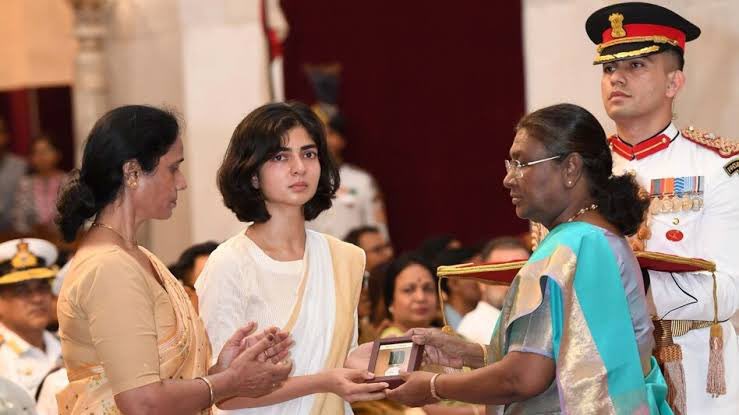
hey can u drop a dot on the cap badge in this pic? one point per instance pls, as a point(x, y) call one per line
point(617, 25)
point(24, 258)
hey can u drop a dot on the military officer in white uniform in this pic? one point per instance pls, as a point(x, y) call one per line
point(27, 351)
point(693, 180)
point(358, 201)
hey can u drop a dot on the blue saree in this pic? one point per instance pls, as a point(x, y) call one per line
point(568, 303)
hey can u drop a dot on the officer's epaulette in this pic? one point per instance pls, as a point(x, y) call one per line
point(724, 147)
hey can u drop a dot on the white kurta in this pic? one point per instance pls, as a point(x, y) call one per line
point(240, 283)
point(710, 234)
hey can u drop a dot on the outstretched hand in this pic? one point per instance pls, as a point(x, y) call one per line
point(350, 385)
point(415, 391)
point(439, 348)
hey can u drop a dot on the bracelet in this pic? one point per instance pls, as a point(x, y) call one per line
point(484, 354)
point(210, 390)
point(432, 386)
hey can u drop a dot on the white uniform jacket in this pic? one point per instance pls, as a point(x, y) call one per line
point(706, 228)
point(27, 365)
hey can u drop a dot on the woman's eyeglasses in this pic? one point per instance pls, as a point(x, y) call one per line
point(514, 167)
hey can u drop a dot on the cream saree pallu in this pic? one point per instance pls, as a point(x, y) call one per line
point(183, 355)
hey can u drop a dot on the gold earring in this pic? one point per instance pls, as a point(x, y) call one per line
point(131, 180)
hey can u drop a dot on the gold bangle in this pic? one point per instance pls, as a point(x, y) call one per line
point(432, 386)
point(484, 354)
point(210, 390)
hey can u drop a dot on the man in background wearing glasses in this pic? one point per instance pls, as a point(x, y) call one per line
point(27, 351)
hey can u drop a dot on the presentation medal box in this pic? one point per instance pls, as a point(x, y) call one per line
point(394, 355)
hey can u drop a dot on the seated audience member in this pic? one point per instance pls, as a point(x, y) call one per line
point(275, 176)
point(12, 168)
point(410, 294)
point(27, 351)
point(377, 250)
point(462, 296)
point(433, 246)
point(376, 321)
point(34, 208)
point(478, 324)
point(190, 264)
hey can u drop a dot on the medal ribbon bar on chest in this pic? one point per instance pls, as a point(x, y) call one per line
point(675, 194)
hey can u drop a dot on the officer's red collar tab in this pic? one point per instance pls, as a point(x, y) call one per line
point(644, 149)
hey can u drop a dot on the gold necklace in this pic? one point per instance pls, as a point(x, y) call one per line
point(110, 228)
point(583, 210)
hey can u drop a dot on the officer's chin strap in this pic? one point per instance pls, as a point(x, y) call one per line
point(716, 382)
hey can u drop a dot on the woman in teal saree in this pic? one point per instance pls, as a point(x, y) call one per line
point(574, 335)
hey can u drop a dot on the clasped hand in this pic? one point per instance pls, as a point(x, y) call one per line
point(257, 362)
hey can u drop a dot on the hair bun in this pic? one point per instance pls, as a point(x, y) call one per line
point(75, 205)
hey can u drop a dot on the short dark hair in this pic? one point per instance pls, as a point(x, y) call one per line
point(434, 245)
point(677, 54)
point(186, 261)
point(256, 139)
point(452, 256)
point(565, 129)
point(337, 124)
point(503, 242)
point(131, 132)
point(355, 234)
point(397, 266)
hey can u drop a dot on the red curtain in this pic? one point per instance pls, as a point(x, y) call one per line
point(16, 112)
point(30, 112)
point(431, 92)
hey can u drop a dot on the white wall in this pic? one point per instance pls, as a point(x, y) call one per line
point(558, 57)
point(144, 53)
point(37, 46)
point(224, 78)
point(205, 59)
